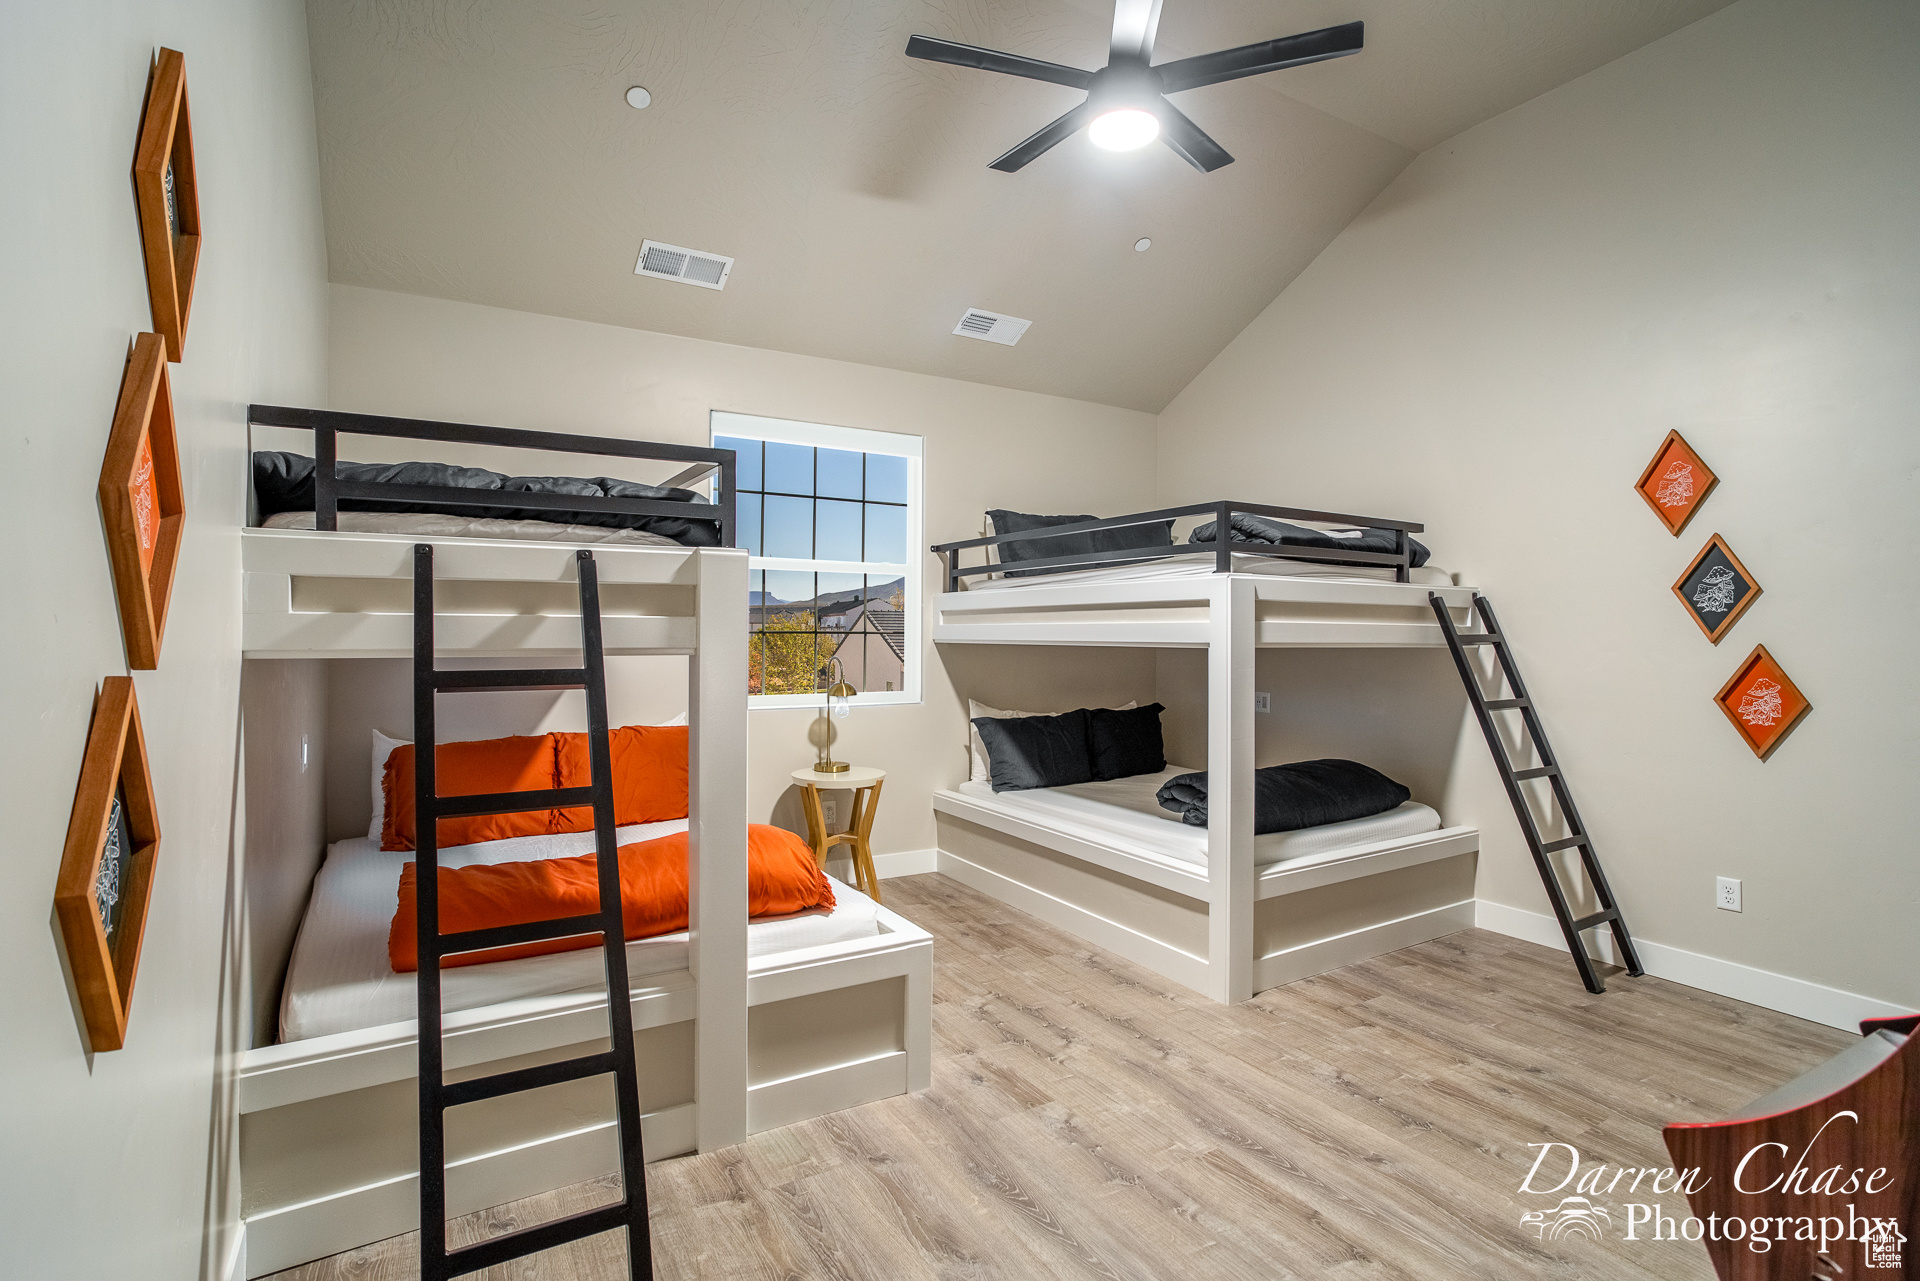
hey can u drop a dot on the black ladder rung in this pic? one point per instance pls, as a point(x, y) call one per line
point(1598, 918)
point(550, 798)
point(560, 927)
point(543, 1236)
point(1564, 843)
point(1543, 771)
point(1478, 638)
point(455, 1093)
point(1507, 704)
point(517, 678)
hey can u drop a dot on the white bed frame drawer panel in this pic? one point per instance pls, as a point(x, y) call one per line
point(1175, 920)
point(314, 595)
point(311, 1150)
point(807, 1034)
point(344, 555)
point(277, 1075)
point(1335, 866)
point(471, 635)
point(1160, 870)
point(1294, 919)
point(285, 1238)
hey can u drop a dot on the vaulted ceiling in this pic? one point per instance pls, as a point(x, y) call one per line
point(482, 150)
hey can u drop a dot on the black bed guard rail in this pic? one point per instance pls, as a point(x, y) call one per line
point(329, 425)
point(1224, 548)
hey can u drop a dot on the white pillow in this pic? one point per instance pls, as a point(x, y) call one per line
point(383, 748)
point(977, 750)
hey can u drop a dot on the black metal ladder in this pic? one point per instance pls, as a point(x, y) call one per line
point(437, 1095)
point(1549, 769)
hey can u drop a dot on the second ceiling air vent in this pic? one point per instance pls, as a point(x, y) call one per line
point(688, 266)
point(991, 326)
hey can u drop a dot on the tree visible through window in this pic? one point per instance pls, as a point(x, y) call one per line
point(832, 574)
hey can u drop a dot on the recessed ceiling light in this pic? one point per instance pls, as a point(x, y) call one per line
point(1143, 244)
point(638, 98)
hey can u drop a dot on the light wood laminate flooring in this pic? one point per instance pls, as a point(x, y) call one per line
point(1089, 1119)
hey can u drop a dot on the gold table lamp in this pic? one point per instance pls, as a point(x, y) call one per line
point(842, 691)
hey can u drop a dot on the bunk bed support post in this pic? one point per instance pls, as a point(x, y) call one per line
point(326, 468)
point(1230, 656)
point(1223, 538)
point(717, 847)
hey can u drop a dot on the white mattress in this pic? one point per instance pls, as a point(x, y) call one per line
point(339, 978)
point(1122, 813)
point(430, 525)
point(1201, 563)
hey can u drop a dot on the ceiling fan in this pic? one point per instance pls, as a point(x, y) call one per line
point(1126, 106)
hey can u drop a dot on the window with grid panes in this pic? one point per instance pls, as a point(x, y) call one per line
point(830, 518)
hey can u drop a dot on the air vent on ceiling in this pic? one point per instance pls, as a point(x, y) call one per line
point(990, 326)
point(688, 266)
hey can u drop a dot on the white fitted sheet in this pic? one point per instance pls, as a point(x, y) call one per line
point(1202, 563)
point(438, 525)
point(1123, 813)
point(339, 978)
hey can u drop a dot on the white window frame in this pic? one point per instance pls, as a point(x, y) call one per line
point(863, 440)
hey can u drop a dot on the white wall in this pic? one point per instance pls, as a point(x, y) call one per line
point(985, 447)
point(1715, 234)
point(107, 1168)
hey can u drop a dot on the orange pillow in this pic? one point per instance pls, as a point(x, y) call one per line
point(781, 878)
point(469, 769)
point(649, 775)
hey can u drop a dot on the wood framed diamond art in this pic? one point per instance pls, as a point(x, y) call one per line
point(1716, 589)
point(1762, 703)
point(141, 500)
point(168, 197)
point(106, 870)
point(1675, 483)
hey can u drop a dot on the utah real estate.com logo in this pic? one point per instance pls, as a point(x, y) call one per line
point(1578, 1215)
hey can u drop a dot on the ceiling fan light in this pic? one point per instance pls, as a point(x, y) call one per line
point(1126, 129)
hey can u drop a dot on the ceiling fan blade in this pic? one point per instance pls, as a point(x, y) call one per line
point(1134, 24)
point(1008, 64)
point(1269, 55)
point(1189, 141)
point(1054, 134)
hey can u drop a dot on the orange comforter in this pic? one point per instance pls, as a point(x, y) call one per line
point(781, 878)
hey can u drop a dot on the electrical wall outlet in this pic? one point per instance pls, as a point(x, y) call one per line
point(1726, 894)
point(830, 810)
point(1262, 701)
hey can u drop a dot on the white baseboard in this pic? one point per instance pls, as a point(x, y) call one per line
point(1305, 960)
point(898, 863)
point(1798, 997)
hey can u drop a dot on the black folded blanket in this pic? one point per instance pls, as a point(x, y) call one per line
point(1289, 797)
point(1277, 533)
point(283, 482)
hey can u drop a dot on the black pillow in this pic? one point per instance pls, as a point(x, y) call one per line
point(1036, 751)
point(1123, 743)
point(1279, 533)
point(1156, 534)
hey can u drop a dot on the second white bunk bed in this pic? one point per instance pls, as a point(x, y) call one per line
point(740, 1027)
point(1219, 910)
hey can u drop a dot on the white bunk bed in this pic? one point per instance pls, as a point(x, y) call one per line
point(1217, 909)
point(740, 1027)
